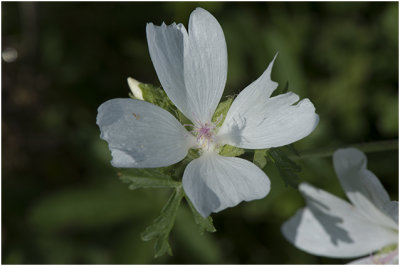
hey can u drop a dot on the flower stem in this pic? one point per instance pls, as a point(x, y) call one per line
point(377, 146)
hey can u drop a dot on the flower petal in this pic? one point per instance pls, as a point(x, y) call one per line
point(362, 187)
point(140, 134)
point(206, 64)
point(214, 183)
point(166, 46)
point(192, 68)
point(331, 227)
point(256, 121)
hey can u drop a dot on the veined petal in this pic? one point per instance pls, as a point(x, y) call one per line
point(214, 183)
point(206, 64)
point(166, 47)
point(256, 121)
point(362, 187)
point(192, 67)
point(142, 135)
point(331, 227)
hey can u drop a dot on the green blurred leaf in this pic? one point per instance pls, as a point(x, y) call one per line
point(163, 224)
point(231, 151)
point(260, 158)
point(85, 208)
point(201, 248)
point(205, 224)
point(288, 169)
point(146, 178)
point(281, 90)
point(293, 149)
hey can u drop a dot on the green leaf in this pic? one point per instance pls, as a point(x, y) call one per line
point(162, 225)
point(222, 109)
point(230, 151)
point(146, 178)
point(260, 158)
point(287, 168)
point(205, 224)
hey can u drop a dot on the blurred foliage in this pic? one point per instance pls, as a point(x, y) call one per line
point(62, 201)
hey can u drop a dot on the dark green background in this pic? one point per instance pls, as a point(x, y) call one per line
point(61, 199)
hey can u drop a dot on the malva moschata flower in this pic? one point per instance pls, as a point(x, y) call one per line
point(332, 227)
point(192, 69)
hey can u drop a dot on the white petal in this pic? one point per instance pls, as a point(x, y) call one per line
point(331, 227)
point(214, 183)
point(391, 258)
point(140, 134)
point(206, 64)
point(256, 121)
point(362, 187)
point(192, 68)
point(166, 46)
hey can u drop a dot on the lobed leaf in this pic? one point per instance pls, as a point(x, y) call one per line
point(287, 168)
point(162, 225)
point(147, 178)
point(205, 224)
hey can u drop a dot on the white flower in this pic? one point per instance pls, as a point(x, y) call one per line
point(192, 68)
point(332, 227)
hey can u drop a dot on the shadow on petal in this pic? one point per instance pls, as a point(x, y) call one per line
point(330, 223)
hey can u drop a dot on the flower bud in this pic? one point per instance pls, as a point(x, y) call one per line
point(135, 89)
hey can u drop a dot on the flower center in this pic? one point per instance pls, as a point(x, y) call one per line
point(205, 135)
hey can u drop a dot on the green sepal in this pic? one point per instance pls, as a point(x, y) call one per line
point(205, 224)
point(222, 109)
point(146, 178)
point(287, 168)
point(162, 225)
point(260, 158)
point(230, 151)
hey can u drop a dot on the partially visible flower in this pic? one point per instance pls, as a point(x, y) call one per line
point(192, 68)
point(332, 227)
point(134, 86)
